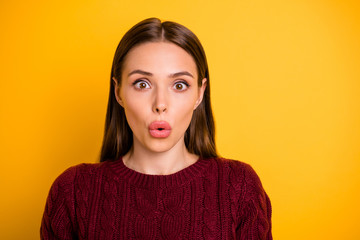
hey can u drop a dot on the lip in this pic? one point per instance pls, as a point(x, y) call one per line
point(159, 129)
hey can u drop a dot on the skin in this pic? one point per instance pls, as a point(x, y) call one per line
point(159, 83)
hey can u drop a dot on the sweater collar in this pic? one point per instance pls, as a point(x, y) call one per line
point(179, 178)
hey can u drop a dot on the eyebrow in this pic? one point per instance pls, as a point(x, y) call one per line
point(140, 72)
point(182, 73)
point(172, 75)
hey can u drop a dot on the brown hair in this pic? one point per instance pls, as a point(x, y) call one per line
point(200, 135)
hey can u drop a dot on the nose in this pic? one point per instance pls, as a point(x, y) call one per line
point(160, 102)
point(160, 108)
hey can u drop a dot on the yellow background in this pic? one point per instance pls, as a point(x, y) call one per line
point(285, 90)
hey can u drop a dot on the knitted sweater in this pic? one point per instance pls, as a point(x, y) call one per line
point(211, 199)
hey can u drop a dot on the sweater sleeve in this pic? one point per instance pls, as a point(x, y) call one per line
point(58, 217)
point(255, 209)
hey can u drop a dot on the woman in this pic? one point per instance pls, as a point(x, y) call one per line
point(159, 175)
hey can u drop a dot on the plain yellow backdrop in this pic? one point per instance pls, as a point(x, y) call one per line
point(285, 79)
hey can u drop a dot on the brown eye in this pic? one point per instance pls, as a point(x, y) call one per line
point(180, 86)
point(141, 85)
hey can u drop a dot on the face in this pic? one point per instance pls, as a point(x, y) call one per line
point(159, 92)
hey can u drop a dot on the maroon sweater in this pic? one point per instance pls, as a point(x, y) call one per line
point(211, 199)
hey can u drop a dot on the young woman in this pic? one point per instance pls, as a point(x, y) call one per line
point(159, 175)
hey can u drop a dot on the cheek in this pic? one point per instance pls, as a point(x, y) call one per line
point(134, 112)
point(184, 111)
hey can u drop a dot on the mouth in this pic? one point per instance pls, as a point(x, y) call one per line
point(159, 129)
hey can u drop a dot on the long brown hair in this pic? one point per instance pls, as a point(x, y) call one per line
point(200, 135)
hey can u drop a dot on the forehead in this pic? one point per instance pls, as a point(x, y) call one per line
point(159, 58)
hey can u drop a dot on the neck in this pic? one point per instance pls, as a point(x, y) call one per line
point(159, 163)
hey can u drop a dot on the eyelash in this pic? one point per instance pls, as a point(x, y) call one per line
point(184, 83)
point(136, 82)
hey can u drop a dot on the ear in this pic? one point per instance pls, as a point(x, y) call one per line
point(117, 91)
point(201, 93)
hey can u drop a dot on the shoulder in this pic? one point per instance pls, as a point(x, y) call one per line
point(250, 204)
point(78, 173)
point(236, 167)
point(239, 173)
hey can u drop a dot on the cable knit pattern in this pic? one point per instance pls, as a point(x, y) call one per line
point(211, 199)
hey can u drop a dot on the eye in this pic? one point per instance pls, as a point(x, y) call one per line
point(181, 86)
point(141, 84)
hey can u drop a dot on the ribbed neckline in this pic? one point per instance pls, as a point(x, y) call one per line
point(181, 177)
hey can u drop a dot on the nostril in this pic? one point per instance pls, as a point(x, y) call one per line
point(159, 108)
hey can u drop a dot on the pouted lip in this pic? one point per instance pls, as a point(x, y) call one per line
point(159, 129)
point(159, 125)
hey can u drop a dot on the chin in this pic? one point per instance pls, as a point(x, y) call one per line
point(160, 146)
